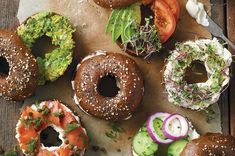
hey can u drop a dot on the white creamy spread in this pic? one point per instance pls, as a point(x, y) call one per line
point(197, 11)
point(221, 52)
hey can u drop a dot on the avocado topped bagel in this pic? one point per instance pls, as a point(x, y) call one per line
point(139, 34)
point(60, 30)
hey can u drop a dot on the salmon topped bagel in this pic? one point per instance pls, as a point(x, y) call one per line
point(38, 117)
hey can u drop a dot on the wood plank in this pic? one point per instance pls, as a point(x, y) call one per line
point(219, 16)
point(8, 110)
point(231, 36)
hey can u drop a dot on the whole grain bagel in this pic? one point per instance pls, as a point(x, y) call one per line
point(21, 80)
point(129, 80)
point(210, 144)
point(114, 3)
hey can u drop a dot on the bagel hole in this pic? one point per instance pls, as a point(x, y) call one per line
point(196, 73)
point(50, 137)
point(107, 86)
point(42, 46)
point(4, 67)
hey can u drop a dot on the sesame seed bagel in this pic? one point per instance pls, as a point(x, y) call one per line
point(36, 118)
point(21, 80)
point(128, 79)
point(114, 3)
point(210, 144)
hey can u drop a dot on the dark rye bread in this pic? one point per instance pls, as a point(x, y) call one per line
point(114, 3)
point(129, 80)
point(22, 78)
point(211, 144)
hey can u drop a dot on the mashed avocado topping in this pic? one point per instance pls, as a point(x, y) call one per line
point(59, 29)
point(198, 95)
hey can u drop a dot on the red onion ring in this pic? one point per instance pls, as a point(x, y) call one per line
point(171, 133)
point(151, 131)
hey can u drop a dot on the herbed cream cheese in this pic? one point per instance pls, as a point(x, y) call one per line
point(216, 59)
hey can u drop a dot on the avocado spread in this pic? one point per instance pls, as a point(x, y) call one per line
point(59, 29)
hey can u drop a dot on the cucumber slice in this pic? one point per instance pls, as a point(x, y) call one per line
point(143, 145)
point(112, 18)
point(176, 148)
point(157, 124)
point(117, 28)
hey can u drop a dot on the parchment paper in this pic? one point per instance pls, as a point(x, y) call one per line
point(90, 20)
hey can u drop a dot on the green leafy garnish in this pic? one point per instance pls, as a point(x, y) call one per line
point(111, 134)
point(45, 110)
point(114, 131)
point(144, 40)
point(116, 127)
point(31, 145)
point(31, 121)
point(37, 103)
point(71, 127)
point(58, 114)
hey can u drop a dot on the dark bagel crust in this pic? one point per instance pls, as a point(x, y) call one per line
point(22, 78)
point(129, 80)
point(211, 144)
point(114, 3)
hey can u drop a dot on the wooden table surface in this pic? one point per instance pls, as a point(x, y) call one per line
point(223, 13)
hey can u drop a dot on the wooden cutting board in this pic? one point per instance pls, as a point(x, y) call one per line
point(90, 21)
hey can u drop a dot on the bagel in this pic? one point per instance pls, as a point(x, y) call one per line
point(36, 118)
point(59, 29)
point(21, 80)
point(114, 3)
point(129, 80)
point(197, 96)
point(210, 144)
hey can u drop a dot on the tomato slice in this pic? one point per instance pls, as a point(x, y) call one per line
point(174, 6)
point(163, 19)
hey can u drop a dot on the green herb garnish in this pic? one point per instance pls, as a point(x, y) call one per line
point(116, 127)
point(45, 111)
point(31, 145)
point(111, 134)
point(58, 114)
point(31, 121)
point(37, 103)
point(71, 127)
point(114, 131)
